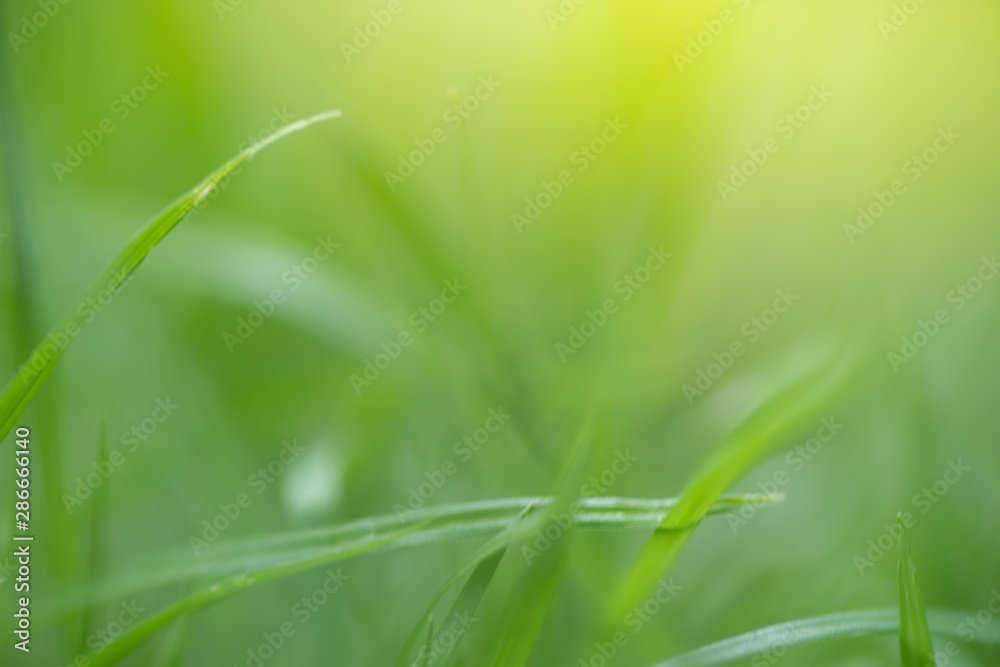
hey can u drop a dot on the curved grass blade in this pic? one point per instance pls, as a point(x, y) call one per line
point(915, 645)
point(833, 627)
point(427, 643)
point(132, 639)
point(422, 528)
point(470, 597)
point(499, 520)
point(464, 608)
point(36, 368)
point(771, 424)
point(488, 557)
point(531, 519)
point(497, 544)
point(528, 605)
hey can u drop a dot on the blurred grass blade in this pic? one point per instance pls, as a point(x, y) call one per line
point(777, 419)
point(131, 640)
point(793, 633)
point(773, 641)
point(497, 544)
point(465, 607)
point(97, 539)
point(488, 557)
point(171, 650)
point(528, 605)
point(471, 597)
point(427, 644)
point(422, 528)
point(30, 376)
point(914, 636)
point(501, 521)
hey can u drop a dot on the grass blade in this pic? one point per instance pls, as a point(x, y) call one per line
point(773, 422)
point(30, 376)
point(833, 627)
point(523, 526)
point(502, 521)
point(190, 604)
point(496, 545)
point(465, 606)
point(171, 651)
point(914, 636)
point(528, 605)
point(291, 554)
point(422, 661)
point(97, 538)
point(471, 596)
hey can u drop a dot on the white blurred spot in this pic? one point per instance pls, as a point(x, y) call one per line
point(313, 483)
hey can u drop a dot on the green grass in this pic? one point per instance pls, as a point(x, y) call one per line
point(533, 531)
point(831, 628)
point(259, 561)
point(914, 636)
point(775, 421)
point(43, 359)
point(910, 623)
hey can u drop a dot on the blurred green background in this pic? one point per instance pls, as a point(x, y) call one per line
point(686, 116)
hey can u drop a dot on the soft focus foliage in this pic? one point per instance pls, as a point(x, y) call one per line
point(563, 249)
